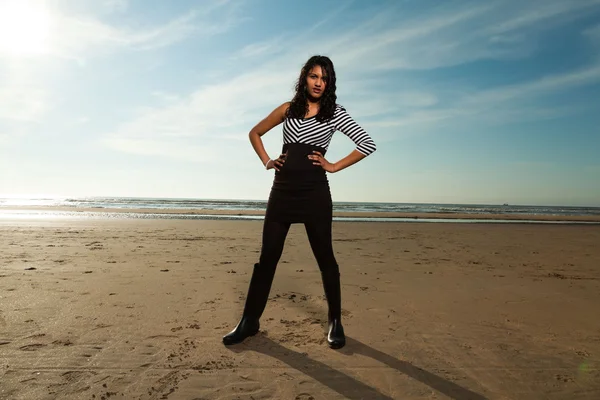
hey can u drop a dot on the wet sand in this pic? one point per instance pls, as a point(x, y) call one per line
point(383, 214)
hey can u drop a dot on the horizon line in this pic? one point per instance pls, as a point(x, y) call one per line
point(55, 197)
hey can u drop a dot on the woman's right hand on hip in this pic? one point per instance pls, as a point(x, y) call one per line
point(277, 163)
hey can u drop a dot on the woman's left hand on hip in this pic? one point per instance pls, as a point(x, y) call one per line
point(318, 159)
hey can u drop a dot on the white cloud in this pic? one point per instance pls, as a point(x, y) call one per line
point(594, 31)
point(442, 37)
point(25, 86)
point(375, 47)
point(593, 34)
point(23, 98)
point(545, 84)
point(96, 7)
point(448, 35)
point(503, 104)
point(80, 121)
point(259, 49)
point(116, 5)
point(365, 103)
point(541, 14)
point(166, 97)
point(22, 103)
point(217, 112)
point(80, 35)
point(165, 147)
point(279, 44)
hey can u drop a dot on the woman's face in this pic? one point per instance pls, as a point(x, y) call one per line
point(316, 81)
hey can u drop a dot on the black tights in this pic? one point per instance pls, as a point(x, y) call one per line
point(274, 234)
point(319, 236)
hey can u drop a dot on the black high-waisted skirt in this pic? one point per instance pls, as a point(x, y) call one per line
point(300, 191)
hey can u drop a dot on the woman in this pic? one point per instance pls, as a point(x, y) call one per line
point(300, 191)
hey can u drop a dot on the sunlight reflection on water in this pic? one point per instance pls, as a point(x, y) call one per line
point(65, 215)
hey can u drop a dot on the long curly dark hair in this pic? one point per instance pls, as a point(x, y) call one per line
point(299, 105)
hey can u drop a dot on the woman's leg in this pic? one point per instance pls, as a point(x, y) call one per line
point(320, 238)
point(273, 240)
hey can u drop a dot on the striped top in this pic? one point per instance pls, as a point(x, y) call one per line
point(310, 131)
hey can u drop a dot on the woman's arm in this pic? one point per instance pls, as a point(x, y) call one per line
point(275, 118)
point(364, 143)
point(347, 161)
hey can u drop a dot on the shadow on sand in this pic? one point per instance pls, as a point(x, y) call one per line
point(346, 385)
point(336, 380)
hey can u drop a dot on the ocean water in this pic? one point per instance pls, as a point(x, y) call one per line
point(159, 206)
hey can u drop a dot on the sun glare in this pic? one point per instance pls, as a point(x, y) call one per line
point(24, 28)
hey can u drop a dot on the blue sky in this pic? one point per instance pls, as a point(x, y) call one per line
point(468, 101)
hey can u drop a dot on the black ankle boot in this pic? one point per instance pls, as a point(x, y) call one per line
point(336, 338)
point(256, 300)
point(246, 327)
point(331, 283)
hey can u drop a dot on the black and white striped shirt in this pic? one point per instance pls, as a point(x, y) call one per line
point(310, 131)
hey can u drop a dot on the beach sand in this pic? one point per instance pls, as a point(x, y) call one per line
point(135, 309)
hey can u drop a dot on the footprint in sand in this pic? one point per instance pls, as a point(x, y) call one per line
point(75, 376)
point(61, 342)
point(95, 246)
point(564, 378)
point(32, 347)
point(161, 336)
point(214, 365)
point(304, 396)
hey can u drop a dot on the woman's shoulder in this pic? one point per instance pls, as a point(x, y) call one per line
point(339, 109)
point(285, 106)
point(283, 110)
